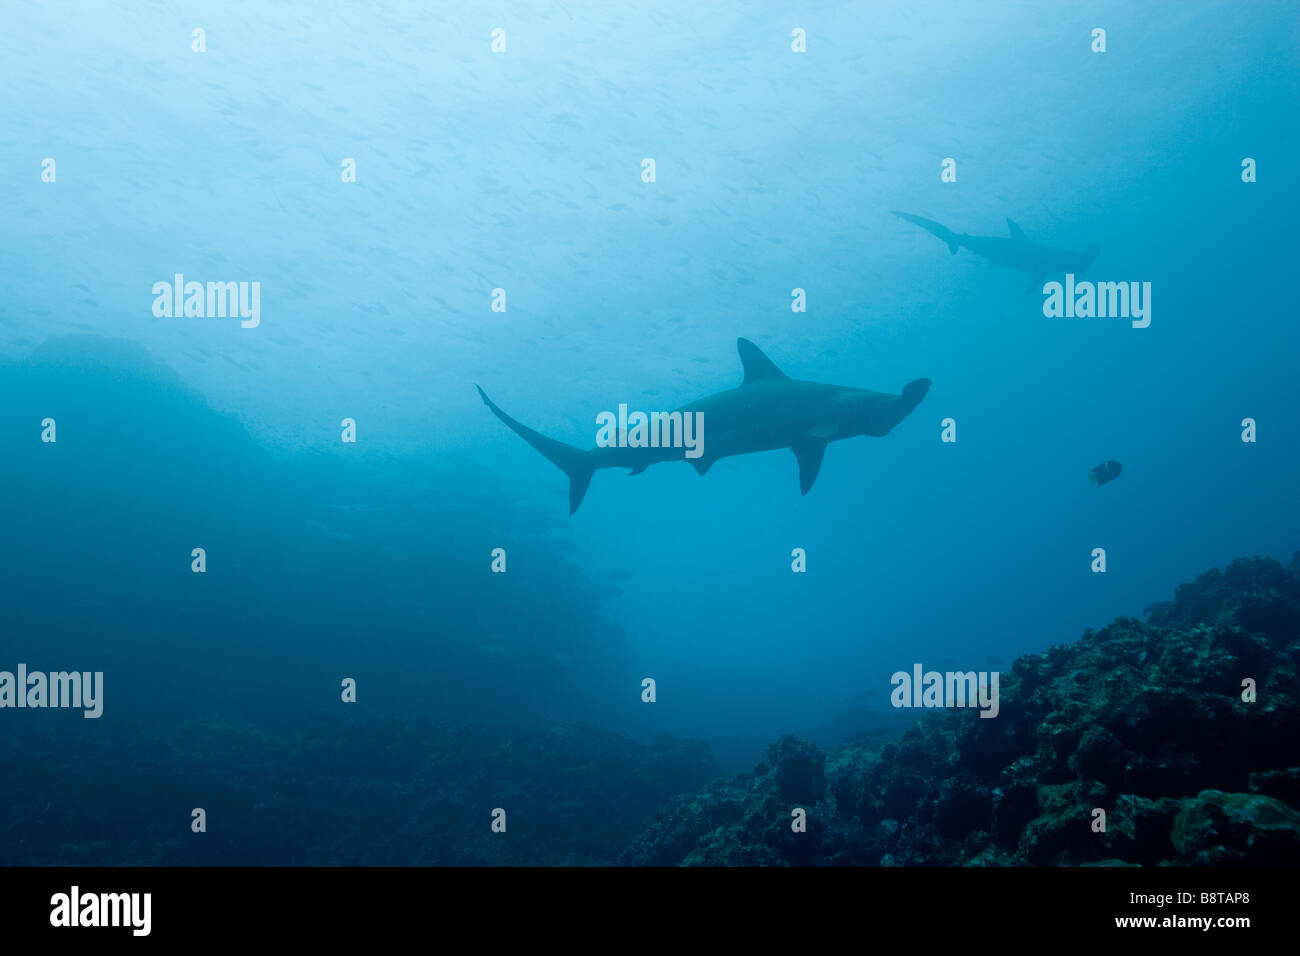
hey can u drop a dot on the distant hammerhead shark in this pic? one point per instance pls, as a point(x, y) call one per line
point(769, 410)
point(1016, 252)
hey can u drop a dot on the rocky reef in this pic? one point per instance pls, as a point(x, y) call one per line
point(1145, 719)
point(355, 791)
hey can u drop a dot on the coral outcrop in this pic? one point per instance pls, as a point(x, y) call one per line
point(1145, 720)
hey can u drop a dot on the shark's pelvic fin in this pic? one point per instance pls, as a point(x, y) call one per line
point(757, 365)
point(574, 462)
point(1016, 231)
point(809, 452)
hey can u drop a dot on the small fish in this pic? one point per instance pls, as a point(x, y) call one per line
point(1106, 471)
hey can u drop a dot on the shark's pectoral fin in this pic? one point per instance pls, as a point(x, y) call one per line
point(1016, 231)
point(701, 464)
point(809, 453)
point(639, 468)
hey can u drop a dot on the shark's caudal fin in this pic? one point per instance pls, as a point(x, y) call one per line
point(574, 462)
point(934, 228)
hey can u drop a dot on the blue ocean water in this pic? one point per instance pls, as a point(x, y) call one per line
point(522, 170)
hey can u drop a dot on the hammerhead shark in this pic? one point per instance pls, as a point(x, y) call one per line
point(1016, 252)
point(769, 410)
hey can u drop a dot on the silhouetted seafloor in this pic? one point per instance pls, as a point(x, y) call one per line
point(1142, 719)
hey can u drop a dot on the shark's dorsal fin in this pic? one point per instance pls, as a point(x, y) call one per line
point(809, 452)
point(758, 367)
point(1016, 231)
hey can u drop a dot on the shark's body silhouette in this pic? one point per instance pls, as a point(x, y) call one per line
point(769, 410)
point(1014, 252)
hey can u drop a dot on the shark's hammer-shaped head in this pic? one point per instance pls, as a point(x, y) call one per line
point(873, 414)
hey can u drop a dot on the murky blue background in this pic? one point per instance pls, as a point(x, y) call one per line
point(522, 171)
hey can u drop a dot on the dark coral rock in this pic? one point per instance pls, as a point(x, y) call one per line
point(1217, 828)
point(1100, 756)
point(1141, 719)
point(412, 792)
point(1015, 806)
point(1137, 829)
point(961, 806)
point(687, 822)
point(1283, 785)
point(750, 822)
point(1063, 831)
point(799, 768)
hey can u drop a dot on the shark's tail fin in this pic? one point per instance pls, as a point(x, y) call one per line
point(934, 228)
point(574, 462)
